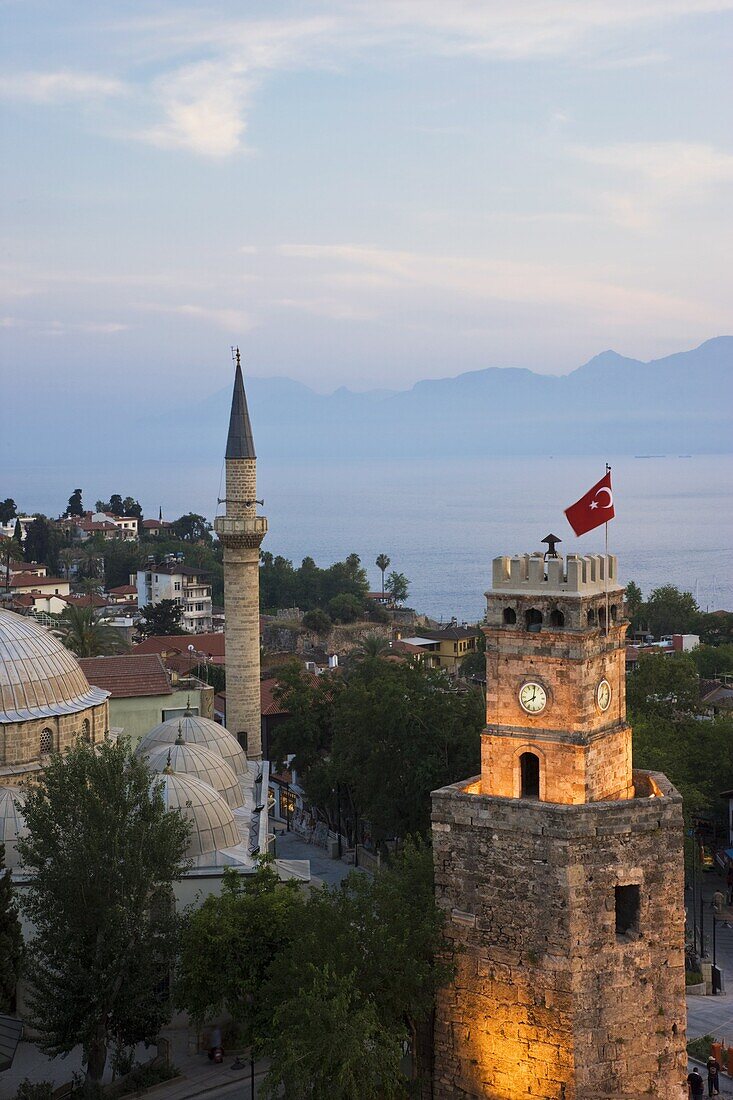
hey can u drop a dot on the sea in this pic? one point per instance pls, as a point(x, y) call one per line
point(442, 521)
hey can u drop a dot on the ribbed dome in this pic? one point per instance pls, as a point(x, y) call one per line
point(201, 731)
point(39, 677)
point(201, 763)
point(12, 822)
point(214, 827)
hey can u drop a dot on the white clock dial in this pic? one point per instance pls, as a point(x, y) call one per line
point(532, 698)
point(603, 695)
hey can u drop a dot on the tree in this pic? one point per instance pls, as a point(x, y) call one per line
point(103, 853)
point(122, 558)
point(160, 618)
point(713, 660)
point(388, 734)
point(670, 611)
point(473, 667)
point(318, 621)
point(228, 944)
point(18, 534)
point(75, 506)
point(8, 510)
point(397, 587)
point(664, 685)
point(634, 602)
point(371, 646)
point(383, 564)
point(192, 528)
point(132, 507)
point(83, 633)
point(345, 608)
point(42, 543)
point(11, 939)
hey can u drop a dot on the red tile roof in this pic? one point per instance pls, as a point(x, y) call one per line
point(123, 590)
point(177, 645)
point(23, 580)
point(150, 524)
point(128, 675)
point(89, 599)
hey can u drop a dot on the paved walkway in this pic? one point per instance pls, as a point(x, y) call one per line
point(323, 869)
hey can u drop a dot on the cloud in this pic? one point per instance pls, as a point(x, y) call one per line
point(436, 280)
point(101, 328)
point(231, 320)
point(204, 108)
point(58, 87)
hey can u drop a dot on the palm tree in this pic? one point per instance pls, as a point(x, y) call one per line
point(383, 563)
point(83, 633)
point(372, 645)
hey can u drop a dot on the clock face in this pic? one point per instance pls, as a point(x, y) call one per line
point(603, 695)
point(532, 698)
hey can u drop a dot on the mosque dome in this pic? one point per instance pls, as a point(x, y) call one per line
point(201, 763)
point(12, 822)
point(214, 827)
point(39, 677)
point(200, 731)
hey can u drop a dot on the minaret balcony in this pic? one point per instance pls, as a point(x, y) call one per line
point(240, 527)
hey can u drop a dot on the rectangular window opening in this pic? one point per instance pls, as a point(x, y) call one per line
point(628, 904)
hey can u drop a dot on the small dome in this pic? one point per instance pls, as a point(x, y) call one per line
point(12, 822)
point(214, 827)
point(199, 731)
point(39, 677)
point(200, 762)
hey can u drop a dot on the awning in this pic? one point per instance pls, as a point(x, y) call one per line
point(11, 1032)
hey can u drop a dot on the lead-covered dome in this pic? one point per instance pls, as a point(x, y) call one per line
point(39, 677)
point(12, 822)
point(201, 763)
point(200, 731)
point(214, 827)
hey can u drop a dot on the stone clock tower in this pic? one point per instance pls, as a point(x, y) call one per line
point(560, 870)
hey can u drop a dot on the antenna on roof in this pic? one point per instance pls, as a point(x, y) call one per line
point(235, 355)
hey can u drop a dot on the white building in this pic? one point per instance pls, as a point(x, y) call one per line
point(172, 580)
point(8, 529)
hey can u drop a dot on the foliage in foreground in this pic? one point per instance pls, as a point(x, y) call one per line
point(11, 938)
point(104, 853)
point(327, 985)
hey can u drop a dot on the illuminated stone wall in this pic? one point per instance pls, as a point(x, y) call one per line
point(549, 1001)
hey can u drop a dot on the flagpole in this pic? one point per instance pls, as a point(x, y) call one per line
point(605, 571)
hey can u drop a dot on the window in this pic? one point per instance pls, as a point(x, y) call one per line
point(46, 744)
point(86, 732)
point(557, 618)
point(177, 586)
point(529, 765)
point(533, 620)
point(614, 612)
point(510, 616)
point(591, 617)
point(628, 903)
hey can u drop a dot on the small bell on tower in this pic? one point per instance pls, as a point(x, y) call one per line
point(552, 541)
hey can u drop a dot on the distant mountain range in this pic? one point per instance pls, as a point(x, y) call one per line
point(680, 404)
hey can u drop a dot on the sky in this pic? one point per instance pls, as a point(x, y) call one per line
point(360, 193)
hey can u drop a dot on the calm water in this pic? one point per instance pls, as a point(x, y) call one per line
point(441, 522)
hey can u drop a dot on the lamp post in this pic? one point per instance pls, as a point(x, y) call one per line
point(287, 807)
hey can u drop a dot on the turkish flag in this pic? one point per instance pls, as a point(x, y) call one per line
point(593, 509)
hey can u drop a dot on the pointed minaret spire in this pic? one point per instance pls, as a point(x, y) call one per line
point(240, 442)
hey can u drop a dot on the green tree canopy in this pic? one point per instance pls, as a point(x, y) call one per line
point(160, 618)
point(317, 620)
point(8, 510)
point(86, 636)
point(11, 939)
point(397, 587)
point(382, 563)
point(75, 506)
point(670, 611)
point(388, 734)
point(664, 684)
point(192, 528)
point(104, 853)
point(308, 587)
point(43, 543)
point(634, 602)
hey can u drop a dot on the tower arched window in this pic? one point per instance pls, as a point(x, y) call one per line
point(510, 616)
point(591, 617)
point(533, 620)
point(46, 742)
point(614, 612)
point(601, 616)
point(529, 775)
point(557, 618)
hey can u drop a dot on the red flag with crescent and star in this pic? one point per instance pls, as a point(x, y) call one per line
point(593, 509)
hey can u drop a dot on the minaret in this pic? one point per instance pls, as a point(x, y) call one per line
point(241, 531)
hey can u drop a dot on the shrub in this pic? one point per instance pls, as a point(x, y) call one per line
point(692, 977)
point(34, 1090)
point(700, 1048)
point(317, 620)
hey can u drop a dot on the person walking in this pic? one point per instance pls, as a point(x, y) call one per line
point(717, 903)
point(695, 1086)
point(713, 1079)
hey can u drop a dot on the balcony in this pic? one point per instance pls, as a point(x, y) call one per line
point(241, 525)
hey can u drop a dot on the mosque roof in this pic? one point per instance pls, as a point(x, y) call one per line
point(12, 822)
point(201, 763)
point(240, 441)
point(214, 827)
point(39, 677)
point(201, 731)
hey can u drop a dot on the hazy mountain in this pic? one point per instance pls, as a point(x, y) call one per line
point(680, 404)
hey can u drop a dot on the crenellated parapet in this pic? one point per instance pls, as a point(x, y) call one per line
point(531, 573)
